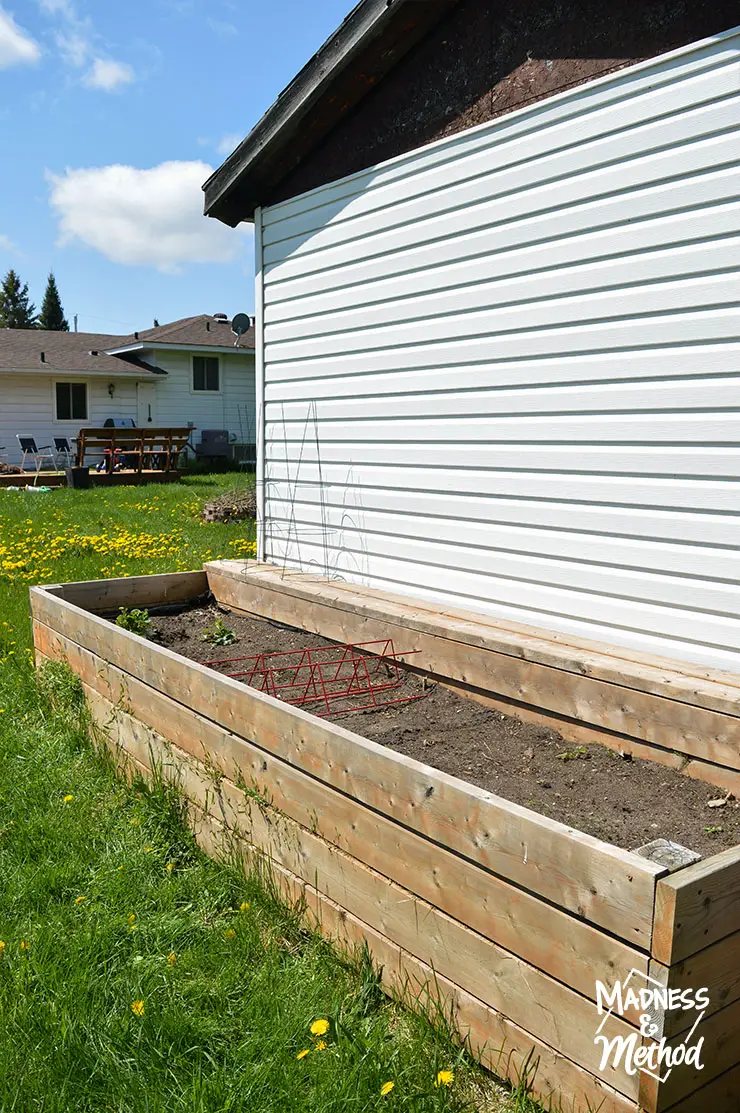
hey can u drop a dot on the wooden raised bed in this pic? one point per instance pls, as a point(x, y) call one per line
point(510, 917)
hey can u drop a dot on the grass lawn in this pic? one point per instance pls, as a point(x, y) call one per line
point(136, 975)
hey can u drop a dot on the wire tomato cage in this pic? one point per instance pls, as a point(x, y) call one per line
point(338, 678)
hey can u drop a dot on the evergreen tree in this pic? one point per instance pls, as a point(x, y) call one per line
point(15, 309)
point(52, 315)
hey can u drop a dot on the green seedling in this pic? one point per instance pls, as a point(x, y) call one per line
point(219, 634)
point(580, 752)
point(137, 622)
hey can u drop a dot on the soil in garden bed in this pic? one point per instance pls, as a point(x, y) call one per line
point(624, 801)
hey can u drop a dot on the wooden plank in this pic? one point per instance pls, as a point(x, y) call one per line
point(549, 1010)
point(496, 1041)
point(720, 1053)
point(128, 591)
point(564, 947)
point(719, 1096)
point(697, 906)
point(716, 968)
point(716, 689)
point(599, 882)
point(674, 725)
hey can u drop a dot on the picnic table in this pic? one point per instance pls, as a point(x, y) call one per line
point(141, 449)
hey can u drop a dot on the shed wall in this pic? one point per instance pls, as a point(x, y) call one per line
point(502, 371)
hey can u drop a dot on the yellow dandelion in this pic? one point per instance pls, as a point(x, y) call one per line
point(148, 849)
point(2, 946)
point(386, 1088)
point(302, 1054)
point(68, 798)
point(319, 1045)
point(80, 898)
point(24, 946)
point(445, 1078)
point(134, 927)
point(170, 867)
point(319, 1027)
point(134, 823)
point(137, 1008)
point(172, 959)
point(132, 918)
point(229, 934)
point(244, 906)
point(120, 867)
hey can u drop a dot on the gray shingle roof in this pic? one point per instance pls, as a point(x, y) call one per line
point(21, 349)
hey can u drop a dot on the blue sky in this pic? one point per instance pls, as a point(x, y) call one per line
point(111, 117)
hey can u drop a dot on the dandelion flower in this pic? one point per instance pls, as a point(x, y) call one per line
point(120, 867)
point(386, 1088)
point(229, 934)
point(445, 1078)
point(137, 1008)
point(302, 1054)
point(244, 906)
point(148, 849)
point(319, 1027)
point(172, 959)
point(132, 918)
point(134, 823)
point(319, 1045)
point(80, 898)
point(68, 798)
point(2, 946)
point(24, 946)
point(170, 867)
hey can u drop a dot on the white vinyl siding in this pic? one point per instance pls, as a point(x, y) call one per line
point(231, 408)
point(503, 371)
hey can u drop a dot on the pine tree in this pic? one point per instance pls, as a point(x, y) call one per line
point(15, 309)
point(52, 315)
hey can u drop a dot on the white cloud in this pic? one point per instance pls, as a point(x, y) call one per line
point(151, 218)
point(108, 75)
point(58, 7)
point(229, 142)
point(17, 48)
point(6, 244)
point(74, 48)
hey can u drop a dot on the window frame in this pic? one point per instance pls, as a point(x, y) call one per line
point(219, 372)
point(67, 421)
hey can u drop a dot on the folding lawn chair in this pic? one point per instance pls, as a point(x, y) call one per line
point(31, 452)
point(63, 448)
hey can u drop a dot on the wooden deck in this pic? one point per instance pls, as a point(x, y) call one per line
point(127, 478)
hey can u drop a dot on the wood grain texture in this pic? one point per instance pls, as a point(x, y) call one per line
point(697, 906)
point(559, 944)
point(550, 1011)
point(600, 883)
point(716, 968)
point(133, 591)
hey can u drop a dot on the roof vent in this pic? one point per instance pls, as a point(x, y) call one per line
point(94, 352)
point(220, 317)
point(136, 336)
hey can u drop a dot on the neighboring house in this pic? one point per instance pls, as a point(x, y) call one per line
point(188, 372)
point(501, 370)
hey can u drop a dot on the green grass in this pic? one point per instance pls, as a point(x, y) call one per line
point(105, 900)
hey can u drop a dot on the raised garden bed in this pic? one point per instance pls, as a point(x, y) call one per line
point(509, 915)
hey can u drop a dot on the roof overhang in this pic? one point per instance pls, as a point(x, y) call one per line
point(226, 349)
point(126, 372)
point(370, 41)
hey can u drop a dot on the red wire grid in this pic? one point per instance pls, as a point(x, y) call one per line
point(326, 675)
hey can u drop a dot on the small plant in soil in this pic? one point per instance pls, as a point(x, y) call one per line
point(219, 634)
point(136, 621)
point(579, 754)
point(714, 830)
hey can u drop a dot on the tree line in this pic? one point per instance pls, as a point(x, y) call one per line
point(18, 311)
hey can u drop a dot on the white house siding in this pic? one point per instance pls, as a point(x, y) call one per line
point(27, 407)
point(503, 371)
point(178, 404)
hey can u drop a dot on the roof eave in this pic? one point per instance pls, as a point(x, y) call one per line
point(391, 27)
point(225, 348)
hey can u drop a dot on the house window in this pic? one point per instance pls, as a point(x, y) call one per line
point(205, 373)
point(71, 399)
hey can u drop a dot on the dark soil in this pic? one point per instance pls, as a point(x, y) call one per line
point(625, 802)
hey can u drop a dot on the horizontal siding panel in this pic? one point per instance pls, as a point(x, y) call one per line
point(607, 250)
point(614, 102)
point(520, 492)
point(492, 518)
point(516, 551)
point(693, 395)
point(503, 371)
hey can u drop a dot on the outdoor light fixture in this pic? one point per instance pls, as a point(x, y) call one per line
point(111, 389)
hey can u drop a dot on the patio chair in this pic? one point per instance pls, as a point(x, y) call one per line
point(32, 452)
point(63, 448)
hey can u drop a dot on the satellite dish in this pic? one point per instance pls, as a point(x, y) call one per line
point(240, 324)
